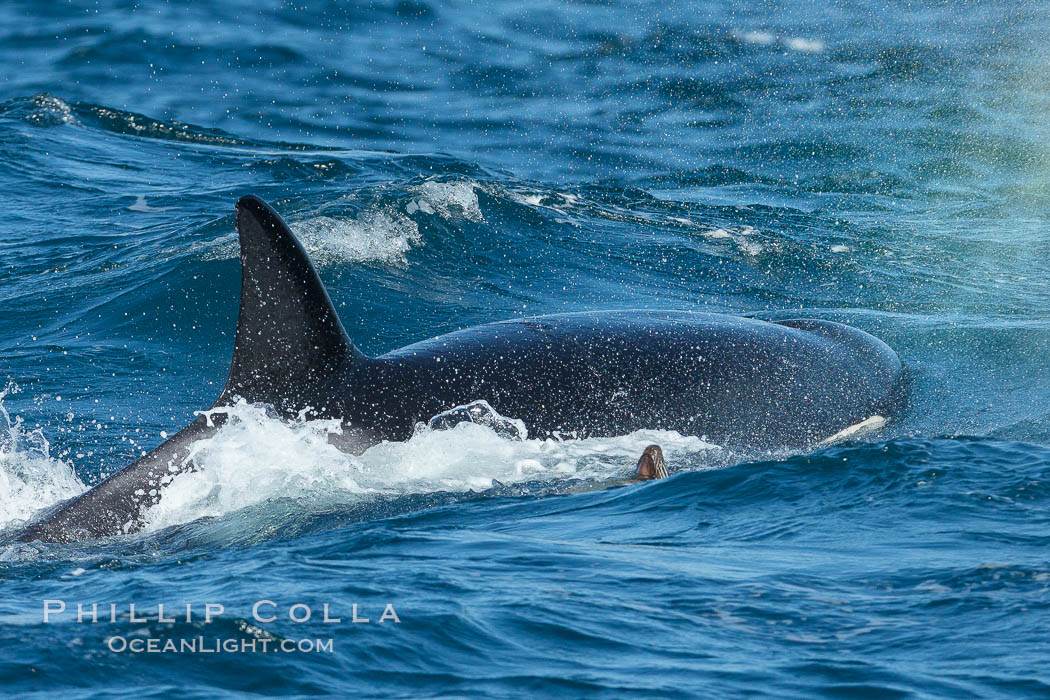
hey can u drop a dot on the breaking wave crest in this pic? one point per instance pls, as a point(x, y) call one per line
point(381, 233)
point(378, 236)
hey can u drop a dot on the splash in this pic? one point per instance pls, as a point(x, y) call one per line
point(383, 233)
point(377, 235)
point(30, 478)
point(49, 110)
point(254, 458)
point(449, 200)
point(484, 414)
point(474, 456)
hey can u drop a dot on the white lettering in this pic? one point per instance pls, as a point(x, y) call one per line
point(49, 608)
point(326, 618)
point(212, 609)
point(389, 614)
point(297, 606)
point(81, 614)
point(132, 618)
point(259, 604)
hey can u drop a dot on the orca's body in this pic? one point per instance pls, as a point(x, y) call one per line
point(740, 382)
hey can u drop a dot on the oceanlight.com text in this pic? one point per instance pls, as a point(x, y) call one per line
point(218, 645)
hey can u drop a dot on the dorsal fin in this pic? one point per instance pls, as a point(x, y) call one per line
point(289, 339)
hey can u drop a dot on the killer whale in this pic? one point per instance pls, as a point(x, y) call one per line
point(740, 382)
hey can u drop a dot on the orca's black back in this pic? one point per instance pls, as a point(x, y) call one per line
point(740, 382)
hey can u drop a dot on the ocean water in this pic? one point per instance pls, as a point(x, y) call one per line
point(884, 164)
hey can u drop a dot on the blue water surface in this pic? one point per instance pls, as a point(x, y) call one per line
point(884, 164)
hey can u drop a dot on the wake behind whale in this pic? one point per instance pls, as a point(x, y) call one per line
point(737, 381)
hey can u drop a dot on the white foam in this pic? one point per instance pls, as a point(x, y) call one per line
point(383, 233)
point(377, 235)
point(559, 202)
point(450, 200)
point(741, 236)
point(792, 43)
point(717, 233)
point(473, 456)
point(760, 38)
point(30, 478)
point(50, 111)
point(254, 457)
point(533, 200)
point(804, 45)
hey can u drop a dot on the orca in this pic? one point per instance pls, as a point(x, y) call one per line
point(741, 382)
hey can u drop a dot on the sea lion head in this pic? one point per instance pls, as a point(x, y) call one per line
point(651, 465)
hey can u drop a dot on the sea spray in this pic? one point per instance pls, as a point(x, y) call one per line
point(30, 478)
